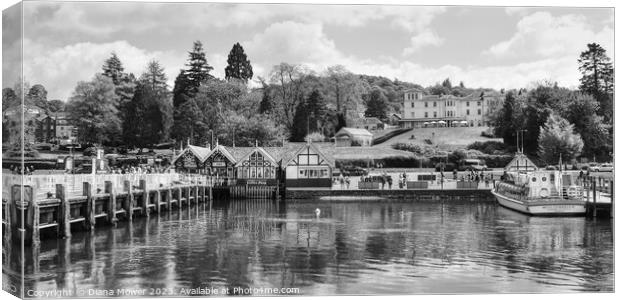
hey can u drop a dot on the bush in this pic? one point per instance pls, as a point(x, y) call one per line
point(488, 147)
point(90, 151)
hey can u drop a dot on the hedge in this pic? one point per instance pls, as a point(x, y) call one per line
point(390, 135)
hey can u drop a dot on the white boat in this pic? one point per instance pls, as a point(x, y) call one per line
point(539, 192)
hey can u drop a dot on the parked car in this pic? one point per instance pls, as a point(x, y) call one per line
point(472, 164)
point(354, 171)
point(551, 168)
point(449, 167)
point(602, 168)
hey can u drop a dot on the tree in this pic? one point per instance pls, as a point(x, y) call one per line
point(581, 111)
point(447, 84)
point(155, 77)
point(93, 107)
point(198, 67)
point(239, 66)
point(266, 103)
point(56, 105)
point(37, 95)
point(315, 108)
point(376, 106)
point(186, 87)
point(300, 130)
point(557, 138)
point(596, 69)
point(247, 131)
point(113, 68)
point(9, 98)
point(597, 77)
point(289, 80)
point(124, 87)
point(150, 111)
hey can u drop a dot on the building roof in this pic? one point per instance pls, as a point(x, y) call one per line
point(324, 150)
point(199, 152)
point(372, 120)
point(261, 150)
point(413, 90)
point(353, 132)
point(398, 116)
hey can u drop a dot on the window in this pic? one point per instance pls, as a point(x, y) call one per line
point(479, 103)
point(467, 103)
point(434, 114)
point(426, 114)
point(412, 104)
point(413, 114)
point(479, 111)
point(434, 103)
point(425, 104)
point(468, 112)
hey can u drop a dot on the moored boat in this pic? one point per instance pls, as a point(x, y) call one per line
point(539, 192)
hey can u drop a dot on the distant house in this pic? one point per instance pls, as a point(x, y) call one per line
point(369, 123)
point(347, 137)
point(394, 118)
point(64, 127)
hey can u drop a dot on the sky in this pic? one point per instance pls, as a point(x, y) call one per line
point(494, 47)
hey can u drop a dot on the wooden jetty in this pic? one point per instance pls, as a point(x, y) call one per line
point(61, 211)
point(599, 195)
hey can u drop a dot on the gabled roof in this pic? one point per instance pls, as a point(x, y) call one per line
point(252, 150)
point(329, 158)
point(521, 163)
point(222, 150)
point(200, 152)
point(372, 120)
point(353, 131)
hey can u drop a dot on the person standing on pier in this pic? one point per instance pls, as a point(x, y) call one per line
point(389, 180)
point(455, 173)
point(347, 180)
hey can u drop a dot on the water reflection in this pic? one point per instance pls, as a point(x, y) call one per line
point(352, 248)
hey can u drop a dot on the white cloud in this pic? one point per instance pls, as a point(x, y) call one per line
point(307, 44)
point(541, 35)
point(59, 69)
point(421, 40)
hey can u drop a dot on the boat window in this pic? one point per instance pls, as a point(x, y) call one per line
point(544, 179)
point(533, 179)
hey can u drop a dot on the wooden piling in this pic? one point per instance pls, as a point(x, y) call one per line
point(145, 197)
point(594, 197)
point(109, 189)
point(61, 193)
point(89, 219)
point(34, 221)
point(157, 201)
point(129, 199)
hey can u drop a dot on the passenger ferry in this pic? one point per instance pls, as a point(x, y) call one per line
point(539, 192)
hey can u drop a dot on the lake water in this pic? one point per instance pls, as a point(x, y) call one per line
point(351, 248)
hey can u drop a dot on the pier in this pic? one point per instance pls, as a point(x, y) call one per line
point(58, 205)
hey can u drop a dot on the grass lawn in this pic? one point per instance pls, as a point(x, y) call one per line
point(446, 138)
point(368, 153)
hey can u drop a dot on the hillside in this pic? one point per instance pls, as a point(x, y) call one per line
point(445, 138)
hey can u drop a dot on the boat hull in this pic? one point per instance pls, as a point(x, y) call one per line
point(542, 208)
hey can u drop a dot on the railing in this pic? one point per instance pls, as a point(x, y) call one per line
point(46, 184)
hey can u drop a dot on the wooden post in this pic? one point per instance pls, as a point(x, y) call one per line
point(109, 189)
point(196, 194)
point(61, 193)
point(35, 219)
point(89, 219)
point(611, 191)
point(129, 199)
point(594, 197)
point(157, 201)
point(169, 199)
point(145, 197)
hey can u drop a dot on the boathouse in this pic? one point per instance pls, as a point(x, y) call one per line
point(220, 163)
point(255, 167)
point(191, 159)
point(308, 167)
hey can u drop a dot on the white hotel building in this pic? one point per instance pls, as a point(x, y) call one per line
point(421, 110)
